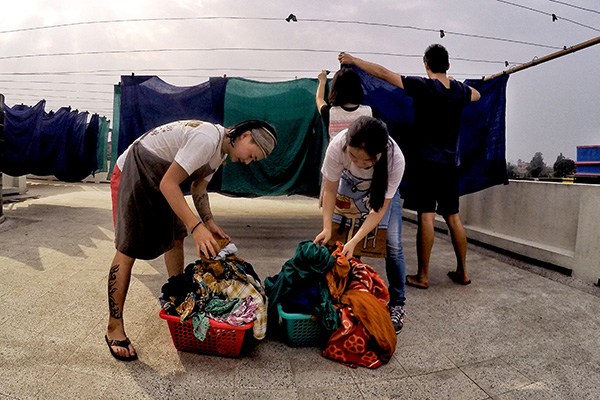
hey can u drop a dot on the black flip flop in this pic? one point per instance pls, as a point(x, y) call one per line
point(454, 277)
point(120, 343)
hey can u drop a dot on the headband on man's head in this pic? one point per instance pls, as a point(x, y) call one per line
point(263, 134)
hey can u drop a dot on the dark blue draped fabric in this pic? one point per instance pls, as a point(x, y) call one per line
point(481, 136)
point(53, 140)
point(59, 143)
point(22, 127)
point(148, 101)
point(79, 158)
point(482, 140)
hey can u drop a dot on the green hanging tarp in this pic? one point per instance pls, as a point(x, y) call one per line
point(114, 139)
point(102, 144)
point(294, 166)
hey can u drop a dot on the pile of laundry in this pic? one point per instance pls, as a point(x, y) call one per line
point(224, 289)
point(348, 297)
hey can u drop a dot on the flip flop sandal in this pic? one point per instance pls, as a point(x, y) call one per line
point(120, 343)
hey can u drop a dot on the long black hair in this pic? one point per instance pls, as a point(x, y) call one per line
point(346, 88)
point(371, 135)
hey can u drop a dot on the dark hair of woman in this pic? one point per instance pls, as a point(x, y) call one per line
point(238, 129)
point(371, 135)
point(346, 88)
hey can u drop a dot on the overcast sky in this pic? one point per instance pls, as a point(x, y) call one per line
point(552, 107)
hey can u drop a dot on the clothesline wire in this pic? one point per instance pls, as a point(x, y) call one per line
point(28, 89)
point(255, 49)
point(92, 99)
point(574, 6)
point(278, 19)
point(553, 15)
point(8, 92)
point(154, 71)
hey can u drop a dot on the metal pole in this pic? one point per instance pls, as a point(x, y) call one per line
point(536, 61)
point(2, 217)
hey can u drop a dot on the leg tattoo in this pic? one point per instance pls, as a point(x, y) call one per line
point(114, 308)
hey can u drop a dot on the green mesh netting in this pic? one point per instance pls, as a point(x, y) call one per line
point(115, 132)
point(294, 166)
point(101, 150)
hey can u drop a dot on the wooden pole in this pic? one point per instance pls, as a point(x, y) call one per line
point(536, 61)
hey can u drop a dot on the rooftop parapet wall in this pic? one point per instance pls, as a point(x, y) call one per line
point(554, 223)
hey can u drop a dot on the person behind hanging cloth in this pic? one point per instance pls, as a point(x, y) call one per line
point(150, 212)
point(362, 170)
point(438, 101)
point(345, 98)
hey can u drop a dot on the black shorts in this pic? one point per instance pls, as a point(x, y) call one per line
point(433, 188)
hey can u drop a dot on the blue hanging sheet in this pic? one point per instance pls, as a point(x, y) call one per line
point(57, 143)
point(79, 158)
point(148, 101)
point(22, 127)
point(481, 135)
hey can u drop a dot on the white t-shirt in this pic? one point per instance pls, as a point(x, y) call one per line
point(192, 143)
point(340, 118)
point(337, 160)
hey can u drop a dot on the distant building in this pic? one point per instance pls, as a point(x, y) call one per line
point(588, 162)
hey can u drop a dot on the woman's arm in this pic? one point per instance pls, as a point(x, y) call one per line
point(202, 204)
point(320, 96)
point(329, 195)
point(475, 95)
point(374, 69)
point(169, 187)
point(371, 222)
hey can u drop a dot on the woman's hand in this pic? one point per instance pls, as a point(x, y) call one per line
point(323, 76)
point(216, 229)
point(345, 58)
point(205, 242)
point(323, 237)
point(348, 249)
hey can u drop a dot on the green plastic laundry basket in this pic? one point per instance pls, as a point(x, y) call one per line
point(301, 330)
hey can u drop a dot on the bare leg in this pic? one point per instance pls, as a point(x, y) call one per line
point(459, 242)
point(174, 259)
point(425, 238)
point(119, 277)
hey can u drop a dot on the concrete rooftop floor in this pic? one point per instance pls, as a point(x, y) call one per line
point(517, 332)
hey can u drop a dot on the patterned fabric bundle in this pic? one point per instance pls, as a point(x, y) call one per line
point(367, 336)
point(226, 290)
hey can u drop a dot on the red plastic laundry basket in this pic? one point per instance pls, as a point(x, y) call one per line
point(222, 339)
